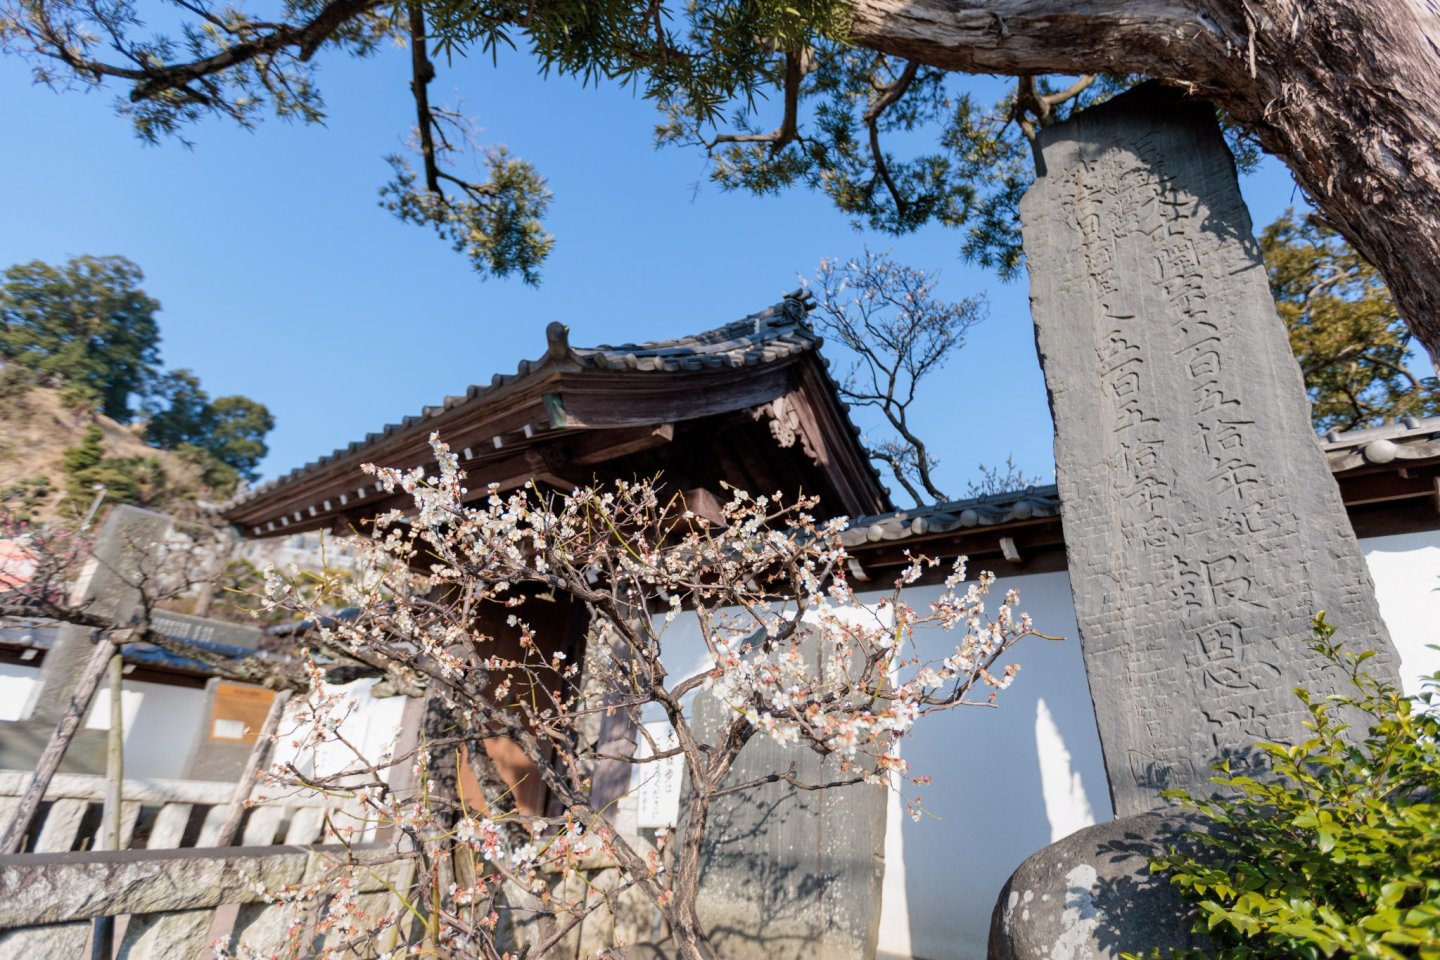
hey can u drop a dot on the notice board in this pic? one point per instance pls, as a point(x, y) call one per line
point(239, 712)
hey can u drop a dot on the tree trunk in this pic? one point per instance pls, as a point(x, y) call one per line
point(257, 761)
point(689, 933)
point(81, 697)
point(1346, 92)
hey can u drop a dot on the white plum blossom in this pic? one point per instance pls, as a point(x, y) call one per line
point(460, 594)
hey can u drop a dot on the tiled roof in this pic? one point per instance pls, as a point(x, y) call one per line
point(984, 511)
point(1409, 439)
point(775, 333)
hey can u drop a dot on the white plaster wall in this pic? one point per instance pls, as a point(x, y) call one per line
point(16, 683)
point(161, 722)
point(1008, 780)
point(1012, 780)
point(371, 723)
point(1406, 570)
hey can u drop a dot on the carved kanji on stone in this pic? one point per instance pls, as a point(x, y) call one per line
point(1203, 527)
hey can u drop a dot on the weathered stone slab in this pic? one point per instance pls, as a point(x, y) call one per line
point(156, 936)
point(183, 626)
point(111, 589)
point(56, 888)
point(125, 559)
point(266, 927)
point(169, 827)
point(62, 825)
point(1092, 896)
point(1202, 526)
point(790, 874)
point(61, 941)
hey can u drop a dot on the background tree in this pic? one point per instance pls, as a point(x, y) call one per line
point(1005, 478)
point(89, 329)
point(86, 324)
point(224, 437)
point(83, 458)
point(888, 319)
point(1352, 344)
point(138, 480)
point(237, 434)
point(177, 411)
point(842, 75)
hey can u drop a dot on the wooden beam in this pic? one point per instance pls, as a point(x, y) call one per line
point(705, 505)
point(602, 445)
point(1385, 485)
point(508, 472)
point(638, 399)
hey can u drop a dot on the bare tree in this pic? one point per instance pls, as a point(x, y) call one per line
point(1006, 478)
point(887, 316)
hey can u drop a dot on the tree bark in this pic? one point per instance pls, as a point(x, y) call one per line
point(1345, 92)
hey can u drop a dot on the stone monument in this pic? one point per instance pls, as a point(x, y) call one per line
point(110, 590)
point(1202, 525)
point(790, 874)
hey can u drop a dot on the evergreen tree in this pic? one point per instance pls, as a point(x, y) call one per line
point(85, 325)
point(137, 480)
point(177, 411)
point(237, 433)
point(1352, 343)
point(84, 458)
point(224, 437)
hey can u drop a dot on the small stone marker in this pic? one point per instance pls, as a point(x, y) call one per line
point(790, 874)
point(184, 626)
point(1202, 525)
point(110, 591)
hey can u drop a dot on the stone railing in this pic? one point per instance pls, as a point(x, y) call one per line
point(161, 814)
point(174, 903)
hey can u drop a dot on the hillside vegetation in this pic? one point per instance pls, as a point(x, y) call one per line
point(85, 403)
point(37, 428)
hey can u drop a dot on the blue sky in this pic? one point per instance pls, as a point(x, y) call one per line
point(282, 279)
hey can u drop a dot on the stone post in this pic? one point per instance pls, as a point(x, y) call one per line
point(1202, 525)
point(790, 874)
point(110, 590)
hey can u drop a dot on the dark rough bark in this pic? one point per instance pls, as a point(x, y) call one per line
point(1346, 92)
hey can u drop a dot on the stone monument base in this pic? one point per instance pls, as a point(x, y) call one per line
point(1091, 895)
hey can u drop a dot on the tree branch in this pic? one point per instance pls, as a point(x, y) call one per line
point(1041, 36)
point(889, 94)
point(422, 71)
point(306, 37)
point(785, 134)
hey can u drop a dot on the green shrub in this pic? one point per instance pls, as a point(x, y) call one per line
point(24, 498)
point(137, 480)
point(1337, 852)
